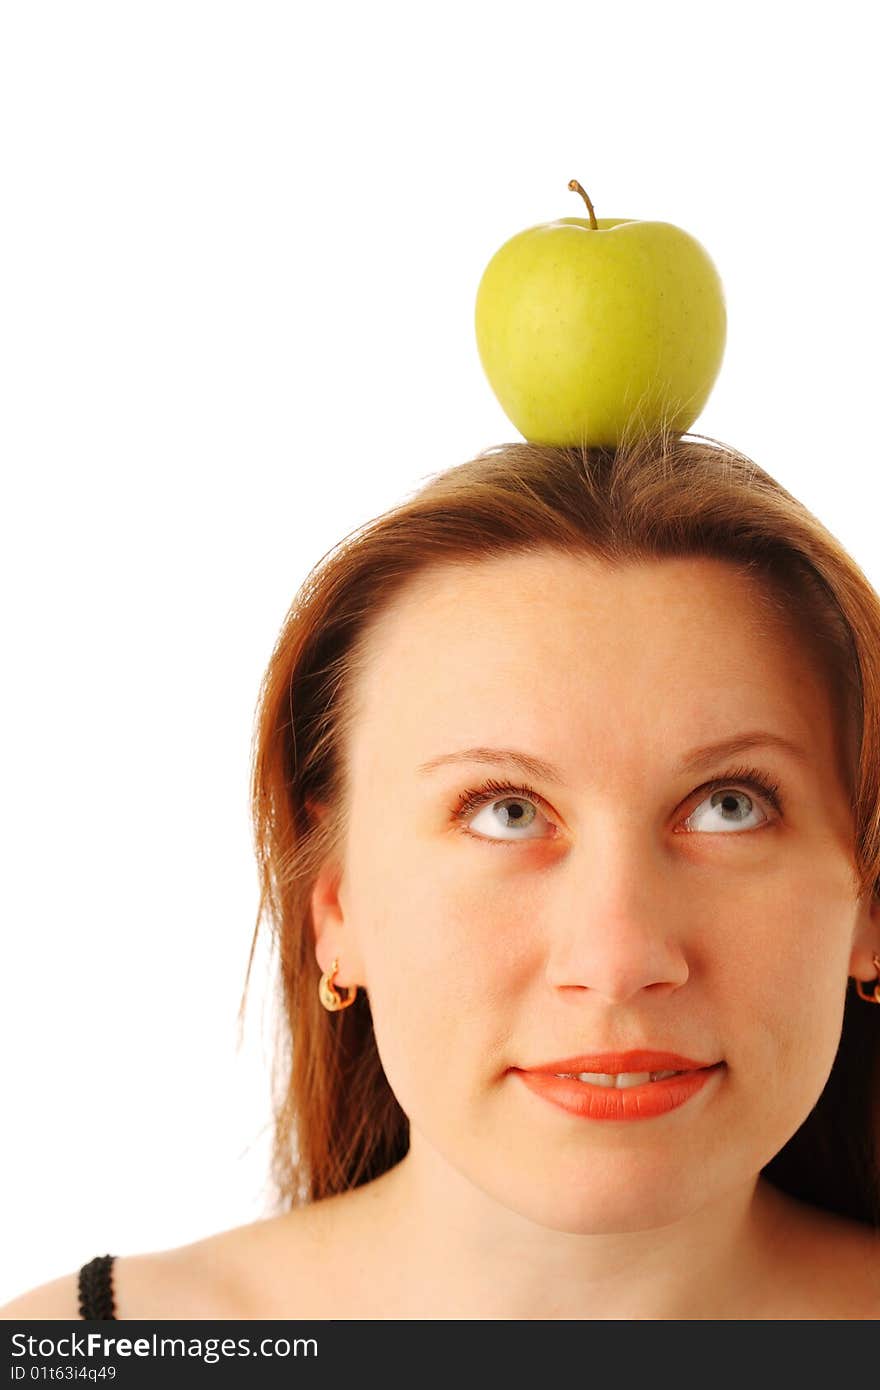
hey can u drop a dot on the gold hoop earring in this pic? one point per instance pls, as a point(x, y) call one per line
point(874, 996)
point(328, 993)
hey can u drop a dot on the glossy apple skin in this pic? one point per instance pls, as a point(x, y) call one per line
point(579, 330)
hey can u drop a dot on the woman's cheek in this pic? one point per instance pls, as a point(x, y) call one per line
point(440, 962)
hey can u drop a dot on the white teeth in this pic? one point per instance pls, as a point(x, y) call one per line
point(619, 1079)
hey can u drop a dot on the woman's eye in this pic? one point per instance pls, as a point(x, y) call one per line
point(726, 808)
point(515, 813)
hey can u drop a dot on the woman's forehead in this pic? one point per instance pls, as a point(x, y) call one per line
point(550, 640)
point(581, 611)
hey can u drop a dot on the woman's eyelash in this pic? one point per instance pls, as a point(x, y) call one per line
point(748, 777)
point(475, 797)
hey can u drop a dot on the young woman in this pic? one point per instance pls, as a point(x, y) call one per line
point(566, 789)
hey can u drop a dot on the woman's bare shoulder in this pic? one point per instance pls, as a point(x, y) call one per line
point(833, 1264)
point(854, 1261)
point(217, 1277)
point(57, 1299)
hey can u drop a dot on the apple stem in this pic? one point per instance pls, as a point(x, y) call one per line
point(576, 188)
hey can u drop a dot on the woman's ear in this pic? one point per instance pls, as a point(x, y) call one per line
point(333, 933)
point(327, 915)
point(866, 940)
point(326, 909)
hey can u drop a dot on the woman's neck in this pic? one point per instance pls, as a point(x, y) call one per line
point(444, 1248)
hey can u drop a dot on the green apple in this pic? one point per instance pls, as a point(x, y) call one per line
point(585, 326)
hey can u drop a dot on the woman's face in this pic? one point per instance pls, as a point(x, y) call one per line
point(623, 903)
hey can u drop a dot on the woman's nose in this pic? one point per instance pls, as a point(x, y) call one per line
point(616, 929)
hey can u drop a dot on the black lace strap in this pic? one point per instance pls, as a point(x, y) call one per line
point(96, 1288)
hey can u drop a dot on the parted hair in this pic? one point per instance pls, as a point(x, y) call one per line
point(657, 494)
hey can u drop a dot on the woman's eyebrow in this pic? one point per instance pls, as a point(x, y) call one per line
point(695, 759)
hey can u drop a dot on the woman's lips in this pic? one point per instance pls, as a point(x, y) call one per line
point(640, 1102)
point(639, 1059)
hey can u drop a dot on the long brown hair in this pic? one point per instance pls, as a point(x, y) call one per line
point(661, 494)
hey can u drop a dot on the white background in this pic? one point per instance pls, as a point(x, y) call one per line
point(241, 244)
